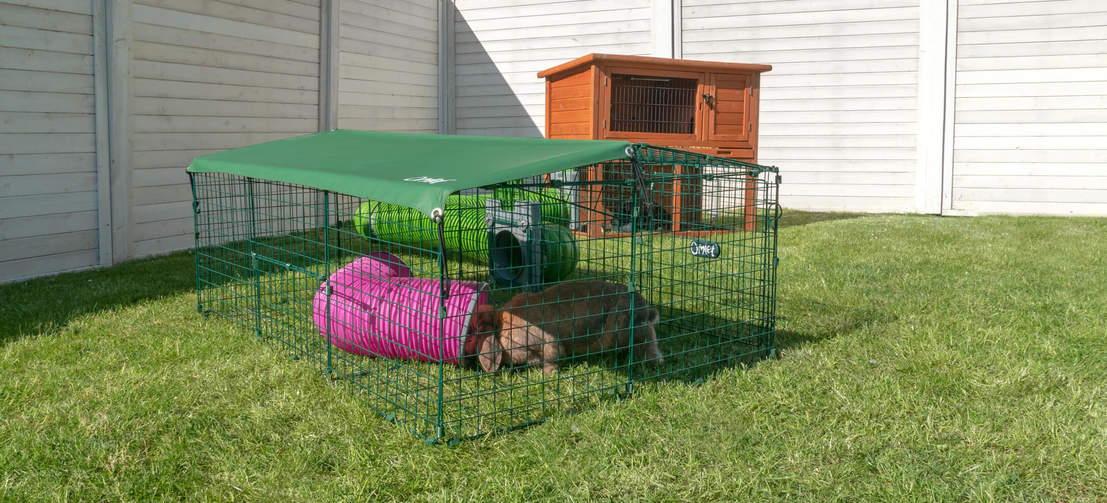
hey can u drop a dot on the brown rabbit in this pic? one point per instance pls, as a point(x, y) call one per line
point(567, 319)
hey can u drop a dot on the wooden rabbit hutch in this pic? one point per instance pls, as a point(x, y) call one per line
point(700, 106)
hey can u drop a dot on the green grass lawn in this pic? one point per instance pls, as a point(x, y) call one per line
point(922, 358)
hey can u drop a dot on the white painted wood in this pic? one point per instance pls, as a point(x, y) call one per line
point(803, 167)
point(231, 60)
point(48, 204)
point(119, 29)
point(259, 15)
point(48, 170)
point(22, 227)
point(16, 270)
point(662, 28)
point(221, 108)
point(712, 17)
point(398, 125)
point(213, 46)
point(1036, 49)
point(1025, 116)
point(145, 141)
point(160, 245)
point(677, 12)
point(394, 77)
point(160, 70)
point(471, 48)
point(447, 68)
point(1097, 155)
point(1030, 131)
point(501, 46)
point(973, 208)
point(74, 6)
point(1044, 182)
point(838, 104)
point(42, 122)
point(351, 45)
point(949, 105)
point(45, 40)
point(164, 211)
point(974, 9)
point(169, 158)
point(872, 92)
point(39, 18)
point(840, 111)
point(770, 6)
point(859, 189)
point(153, 88)
point(209, 75)
point(999, 103)
point(29, 101)
point(31, 164)
point(161, 229)
point(1041, 61)
point(931, 107)
point(190, 124)
point(864, 204)
point(160, 195)
point(388, 28)
point(850, 178)
point(46, 245)
point(390, 75)
point(151, 177)
point(1028, 169)
point(212, 24)
point(328, 64)
point(411, 14)
point(1030, 89)
point(1088, 142)
point(514, 9)
point(28, 59)
point(833, 34)
point(24, 185)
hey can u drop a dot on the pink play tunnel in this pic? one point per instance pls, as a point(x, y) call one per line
point(378, 309)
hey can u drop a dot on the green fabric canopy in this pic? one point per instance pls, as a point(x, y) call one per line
point(416, 170)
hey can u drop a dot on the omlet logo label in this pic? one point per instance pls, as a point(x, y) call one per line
point(705, 249)
point(430, 180)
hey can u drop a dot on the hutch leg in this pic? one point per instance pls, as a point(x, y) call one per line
point(750, 206)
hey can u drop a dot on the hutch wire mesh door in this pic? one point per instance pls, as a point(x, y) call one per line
point(508, 302)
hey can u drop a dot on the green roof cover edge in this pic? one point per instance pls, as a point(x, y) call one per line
point(416, 170)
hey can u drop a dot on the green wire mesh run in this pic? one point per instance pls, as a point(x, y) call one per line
point(672, 277)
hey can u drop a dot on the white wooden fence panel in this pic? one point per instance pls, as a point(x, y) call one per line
point(1030, 122)
point(210, 75)
point(839, 110)
point(47, 126)
point(388, 66)
point(501, 46)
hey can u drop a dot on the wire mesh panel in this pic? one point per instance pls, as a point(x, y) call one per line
point(515, 302)
point(649, 104)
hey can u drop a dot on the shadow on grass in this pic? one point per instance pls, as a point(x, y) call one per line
point(46, 305)
point(697, 346)
point(792, 218)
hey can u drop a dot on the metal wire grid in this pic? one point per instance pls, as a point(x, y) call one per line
point(653, 104)
point(264, 250)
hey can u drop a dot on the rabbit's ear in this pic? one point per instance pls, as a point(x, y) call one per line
point(491, 354)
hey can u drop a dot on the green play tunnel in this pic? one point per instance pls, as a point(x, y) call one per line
point(467, 233)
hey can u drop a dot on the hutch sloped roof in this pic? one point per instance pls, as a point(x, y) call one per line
point(679, 64)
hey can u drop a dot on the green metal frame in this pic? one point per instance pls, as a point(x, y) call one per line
point(264, 249)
